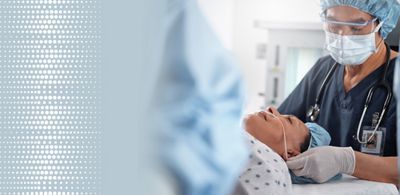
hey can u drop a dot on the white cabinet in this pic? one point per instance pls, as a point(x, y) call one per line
point(292, 50)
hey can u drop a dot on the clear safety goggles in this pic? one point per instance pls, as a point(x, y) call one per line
point(349, 28)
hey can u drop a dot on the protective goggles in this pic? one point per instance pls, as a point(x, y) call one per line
point(349, 28)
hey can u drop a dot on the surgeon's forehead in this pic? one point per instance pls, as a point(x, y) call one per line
point(347, 14)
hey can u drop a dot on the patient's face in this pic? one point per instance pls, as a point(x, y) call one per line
point(268, 129)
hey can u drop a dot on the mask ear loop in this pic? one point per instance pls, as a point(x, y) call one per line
point(377, 28)
point(284, 135)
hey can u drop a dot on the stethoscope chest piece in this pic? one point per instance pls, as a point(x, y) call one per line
point(313, 112)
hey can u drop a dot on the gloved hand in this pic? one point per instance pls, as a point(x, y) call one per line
point(322, 163)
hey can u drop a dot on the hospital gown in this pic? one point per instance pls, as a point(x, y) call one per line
point(199, 100)
point(266, 172)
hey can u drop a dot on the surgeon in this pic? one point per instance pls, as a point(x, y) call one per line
point(349, 93)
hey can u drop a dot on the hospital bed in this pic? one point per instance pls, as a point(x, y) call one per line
point(348, 185)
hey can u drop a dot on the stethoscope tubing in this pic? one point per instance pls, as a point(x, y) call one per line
point(383, 83)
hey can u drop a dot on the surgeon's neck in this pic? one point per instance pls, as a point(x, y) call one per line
point(355, 74)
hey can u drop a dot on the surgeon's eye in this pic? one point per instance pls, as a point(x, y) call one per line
point(334, 28)
point(356, 29)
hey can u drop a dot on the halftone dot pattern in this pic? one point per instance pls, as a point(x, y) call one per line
point(49, 101)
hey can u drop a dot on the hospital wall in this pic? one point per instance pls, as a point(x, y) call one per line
point(234, 22)
point(219, 14)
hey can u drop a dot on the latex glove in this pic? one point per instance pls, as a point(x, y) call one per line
point(322, 163)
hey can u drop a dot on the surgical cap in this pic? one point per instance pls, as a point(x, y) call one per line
point(387, 11)
point(319, 136)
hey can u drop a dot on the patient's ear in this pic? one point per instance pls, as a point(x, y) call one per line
point(292, 153)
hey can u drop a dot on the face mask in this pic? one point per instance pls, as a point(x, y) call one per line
point(351, 49)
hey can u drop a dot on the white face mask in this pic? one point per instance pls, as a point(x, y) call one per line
point(351, 49)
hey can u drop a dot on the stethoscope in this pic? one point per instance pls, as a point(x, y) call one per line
point(314, 110)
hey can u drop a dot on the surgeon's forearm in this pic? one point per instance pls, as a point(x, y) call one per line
point(375, 168)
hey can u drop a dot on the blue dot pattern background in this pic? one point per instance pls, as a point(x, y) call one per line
point(49, 101)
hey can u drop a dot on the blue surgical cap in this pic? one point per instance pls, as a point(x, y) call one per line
point(387, 11)
point(319, 136)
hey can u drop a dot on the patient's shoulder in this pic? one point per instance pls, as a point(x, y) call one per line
point(265, 171)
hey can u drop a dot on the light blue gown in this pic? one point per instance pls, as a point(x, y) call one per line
point(199, 100)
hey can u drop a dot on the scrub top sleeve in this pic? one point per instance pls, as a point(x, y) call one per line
point(301, 97)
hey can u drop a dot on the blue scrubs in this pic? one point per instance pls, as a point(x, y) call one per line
point(341, 111)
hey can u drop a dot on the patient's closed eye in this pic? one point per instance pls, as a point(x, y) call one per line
point(288, 118)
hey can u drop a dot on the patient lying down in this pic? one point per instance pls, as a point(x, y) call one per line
point(284, 134)
point(273, 138)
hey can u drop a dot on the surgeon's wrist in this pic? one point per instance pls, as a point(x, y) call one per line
point(349, 160)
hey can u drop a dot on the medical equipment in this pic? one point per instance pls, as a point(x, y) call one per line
point(284, 139)
point(349, 28)
point(284, 133)
point(351, 49)
point(314, 110)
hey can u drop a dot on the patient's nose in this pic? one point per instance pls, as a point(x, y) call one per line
point(273, 110)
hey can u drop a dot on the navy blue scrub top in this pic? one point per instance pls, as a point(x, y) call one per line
point(341, 111)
